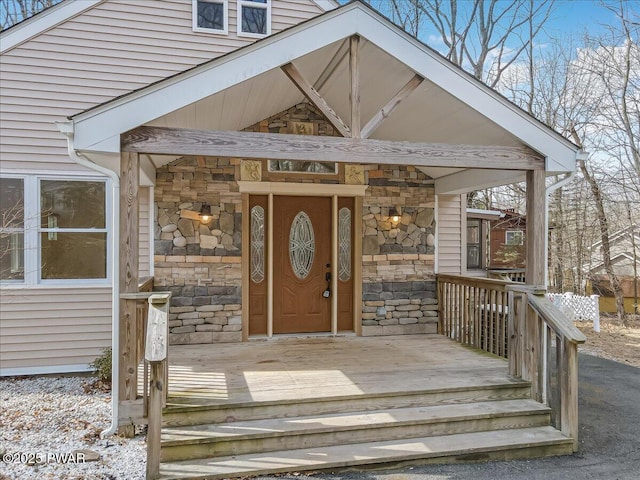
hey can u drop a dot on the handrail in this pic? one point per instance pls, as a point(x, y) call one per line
point(556, 319)
point(474, 281)
point(546, 353)
point(156, 348)
point(517, 321)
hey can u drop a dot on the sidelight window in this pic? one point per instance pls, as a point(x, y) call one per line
point(257, 244)
point(344, 244)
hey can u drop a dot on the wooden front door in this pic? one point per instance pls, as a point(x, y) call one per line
point(301, 264)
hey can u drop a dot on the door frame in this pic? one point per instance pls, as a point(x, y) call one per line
point(333, 191)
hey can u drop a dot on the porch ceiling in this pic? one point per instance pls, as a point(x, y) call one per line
point(237, 90)
point(429, 115)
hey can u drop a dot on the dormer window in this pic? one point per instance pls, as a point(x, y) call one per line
point(210, 16)
point(254, 18)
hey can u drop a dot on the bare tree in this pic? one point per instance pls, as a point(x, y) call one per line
point(606, 248)
point(484, 37)
point(15, 11)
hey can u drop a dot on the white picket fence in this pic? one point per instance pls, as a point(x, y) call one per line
point(577, 307)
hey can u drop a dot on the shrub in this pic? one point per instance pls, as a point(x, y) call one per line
point(102, 365)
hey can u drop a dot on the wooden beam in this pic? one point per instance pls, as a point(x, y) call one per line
point(314, 97)
point(536, 232)
point(333, 65)
point(391, 105)
point(129, 181)
point(168, 141)
point(354, 97)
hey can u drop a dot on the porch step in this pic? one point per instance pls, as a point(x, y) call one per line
point(495, 444)
point(190, 412)
point(239, 438)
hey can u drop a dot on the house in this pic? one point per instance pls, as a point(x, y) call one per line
point(251, 159)
point(496, 242)
point(624, 249)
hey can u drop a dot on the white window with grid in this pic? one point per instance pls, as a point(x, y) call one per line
point(254, 18)
point(211, 16)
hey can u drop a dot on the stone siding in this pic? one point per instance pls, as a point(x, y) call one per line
point(200, 263)
point(398, 262)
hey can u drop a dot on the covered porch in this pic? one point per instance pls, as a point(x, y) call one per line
point(291, 404)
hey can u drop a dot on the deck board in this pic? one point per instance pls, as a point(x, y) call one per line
point(290, 368)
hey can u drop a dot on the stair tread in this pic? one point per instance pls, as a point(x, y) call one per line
point(347, 421)
point(364, 453)
point(309, 394)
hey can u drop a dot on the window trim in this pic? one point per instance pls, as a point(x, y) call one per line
point(506, 237)
point(479, 244)
point(23, 230)
point(248, 3)
point(211, 31)
point(33, 231)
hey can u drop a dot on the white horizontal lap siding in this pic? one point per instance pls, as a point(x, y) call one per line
point(143, 232)
point(107, 51)
point(48, 327)
point(450, 234)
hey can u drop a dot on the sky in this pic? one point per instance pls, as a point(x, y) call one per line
point(578, 16)
point(568, 17)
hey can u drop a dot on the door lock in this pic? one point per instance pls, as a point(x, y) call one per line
point(327, 291)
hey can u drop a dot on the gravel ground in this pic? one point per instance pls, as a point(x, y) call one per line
point(45, 417)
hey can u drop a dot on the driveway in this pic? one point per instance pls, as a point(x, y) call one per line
point(609, 438)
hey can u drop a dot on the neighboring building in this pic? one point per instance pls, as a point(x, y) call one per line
point(624, 248)
point(496, 242)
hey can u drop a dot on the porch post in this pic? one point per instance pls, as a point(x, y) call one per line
point(532, 368)
point(354, 96)
point(129, 204)
point(536, 231)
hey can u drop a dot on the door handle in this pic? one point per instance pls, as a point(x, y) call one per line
point(327, 277)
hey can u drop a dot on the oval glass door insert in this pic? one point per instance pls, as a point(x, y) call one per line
point(302, 245)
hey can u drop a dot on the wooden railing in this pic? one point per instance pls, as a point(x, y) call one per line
point(151, 334)
point(474, 311)
point(141, 301)
point(518, 322)
point(512, 274)
point(546, 353)
point(156, 348)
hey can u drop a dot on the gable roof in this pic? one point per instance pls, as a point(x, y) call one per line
point(315, 42)
point(614, 261)
point(620, 235)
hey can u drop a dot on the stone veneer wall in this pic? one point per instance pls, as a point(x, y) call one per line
point(398, 263)
point(200, 263)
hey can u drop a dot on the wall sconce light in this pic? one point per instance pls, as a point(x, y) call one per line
point(394, 216)
point(205, 213)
